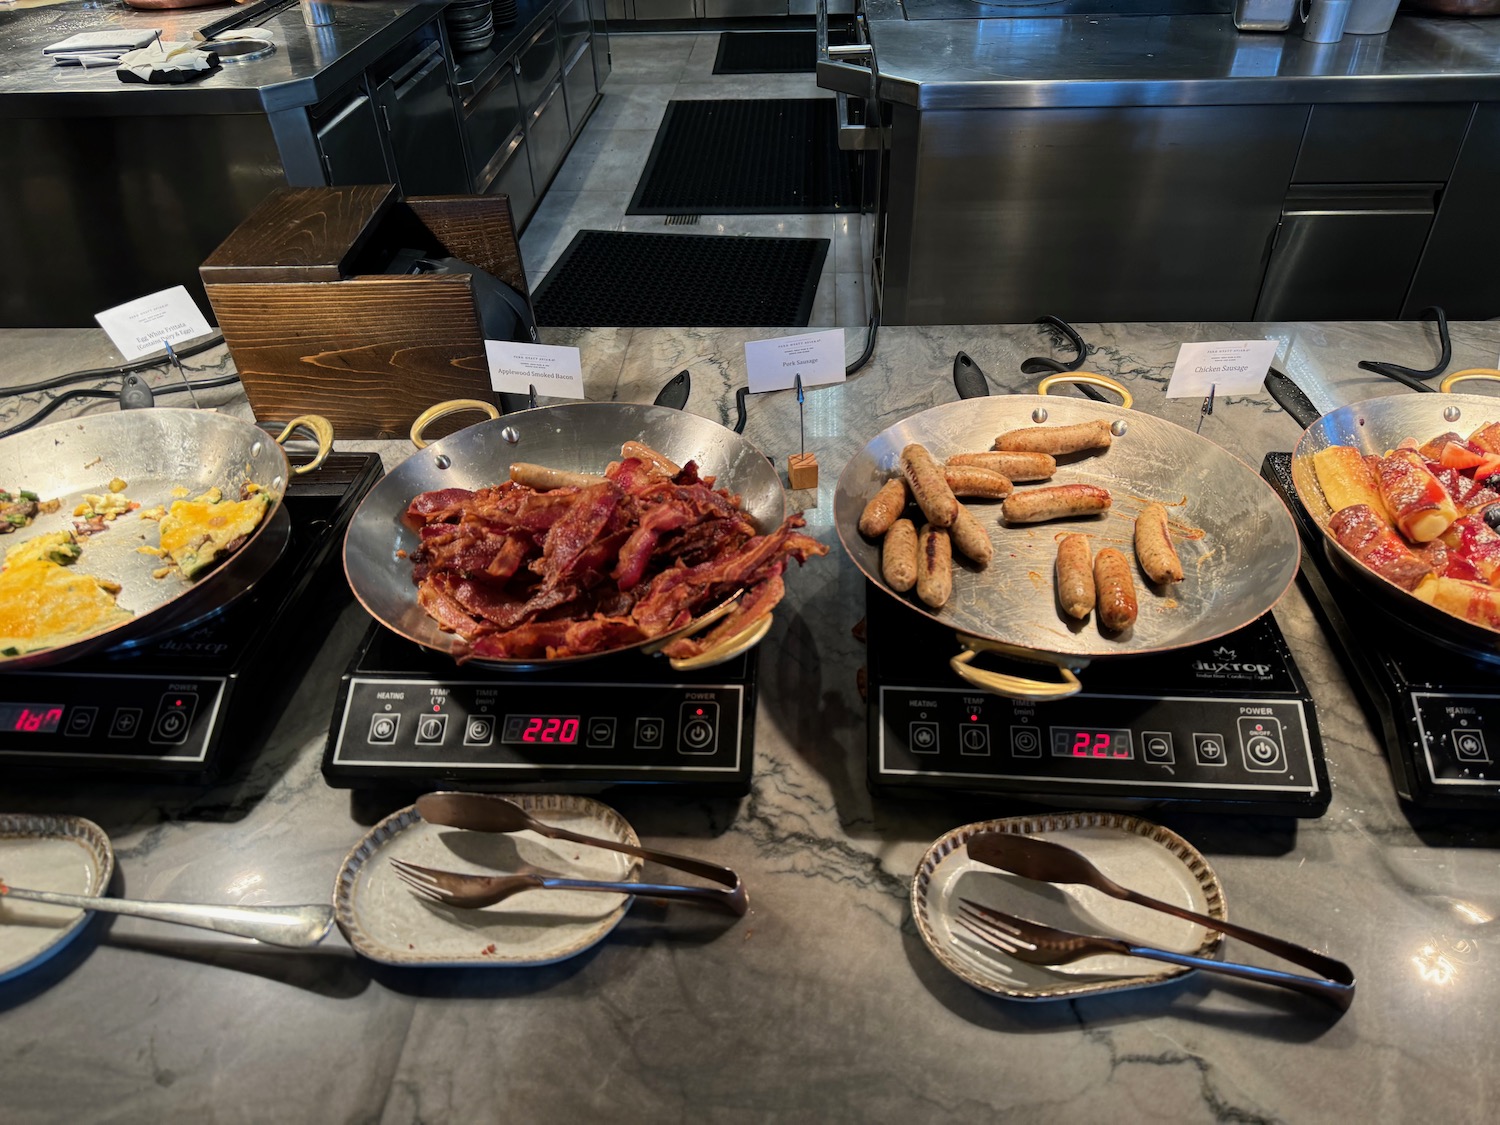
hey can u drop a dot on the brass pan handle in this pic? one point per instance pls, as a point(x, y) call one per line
point(1102, 381)
point(743, 641)
point(321, 428)
point(442, 410)
point(1468, 374)
point(1001, 683)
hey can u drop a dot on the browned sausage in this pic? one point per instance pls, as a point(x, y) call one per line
point(934, 565)
point(983, 484)
point(884, 508)
point(928, 487)
point(1057, 439)
point(544, 479)
point(1038, 504)
point(1014, 466)
point(1153, 546)
point(970, 537)
point(898, 556)
point(1114, 589)
point(1075, 576)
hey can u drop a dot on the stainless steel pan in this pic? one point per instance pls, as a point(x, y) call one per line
point(157, 453)
point(1376, 426)
point(580, 437)
point(1241, 556)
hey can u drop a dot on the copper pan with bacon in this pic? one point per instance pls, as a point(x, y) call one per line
point(451, 553)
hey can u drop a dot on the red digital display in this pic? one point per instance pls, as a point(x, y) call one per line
point(31, 718)
point(559, 730)
point(1096, 743)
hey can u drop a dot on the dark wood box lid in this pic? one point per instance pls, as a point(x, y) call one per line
point(301, 234)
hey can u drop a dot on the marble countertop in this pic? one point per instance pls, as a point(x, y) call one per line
point(822, 1004)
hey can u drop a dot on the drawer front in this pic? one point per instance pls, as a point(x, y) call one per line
point(732, 9)
point(547, 137)
point(666, 9)
point(578, 86)
point(494, 116)
point(538, 66)
point(572, 28)
point(514, 179)
point(1377, 144)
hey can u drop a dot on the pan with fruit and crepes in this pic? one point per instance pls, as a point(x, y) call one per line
point(1237, 541)
point(1373, 428)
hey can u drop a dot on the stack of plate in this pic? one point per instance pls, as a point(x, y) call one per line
point(471, 25)
point(505, 12)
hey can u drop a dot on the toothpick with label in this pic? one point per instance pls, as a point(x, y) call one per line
point(802, 468)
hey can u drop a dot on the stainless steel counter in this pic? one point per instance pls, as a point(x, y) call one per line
point(822, 1005)
point(1177, 60)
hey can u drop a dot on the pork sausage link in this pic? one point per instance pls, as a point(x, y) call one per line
point(898, 556)
point(982, 484)
point(1153, 546)
point(658, 462)
point(1056, 439)
point(1075, 576)
point(934, 565)
point(929, 488)
point(1038, 504)
point(1014, 466)
point(544, 479)
point(970, 537)
point(884, 509)
point(1114, 589)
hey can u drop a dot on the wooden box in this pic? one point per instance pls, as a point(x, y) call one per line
point(310, 333)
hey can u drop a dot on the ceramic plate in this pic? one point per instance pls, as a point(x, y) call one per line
point(47, 853)
point(386, 921)
point(1142, 856)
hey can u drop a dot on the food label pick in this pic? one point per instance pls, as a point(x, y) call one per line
point(1229, 367)
point(142, 326)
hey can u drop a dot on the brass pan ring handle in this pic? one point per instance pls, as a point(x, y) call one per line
point(1093, 380)
point(1484, 374)
point(442, 410)
point(1001, 683)
point(321, 428)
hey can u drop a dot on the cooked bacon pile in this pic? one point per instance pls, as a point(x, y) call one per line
point(522, 574)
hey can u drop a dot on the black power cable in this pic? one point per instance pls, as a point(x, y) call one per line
point(109, 372)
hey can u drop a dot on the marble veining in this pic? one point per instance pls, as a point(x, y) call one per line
point(821, 1004)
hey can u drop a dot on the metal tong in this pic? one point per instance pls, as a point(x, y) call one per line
point(1048, 862)
point(487, 812)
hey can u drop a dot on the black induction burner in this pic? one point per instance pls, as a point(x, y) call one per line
point(409, 716)
point(183, 705)
point(1438, 708)
point(1223, 726)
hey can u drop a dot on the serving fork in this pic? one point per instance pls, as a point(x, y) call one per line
point(474, 891)
point(1037, 944)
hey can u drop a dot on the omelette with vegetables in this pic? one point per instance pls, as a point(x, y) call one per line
point(195, 532)
point(43, 604)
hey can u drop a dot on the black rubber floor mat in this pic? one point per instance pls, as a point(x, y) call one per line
point(748, 157)
point(767, 52)
point(624, 279)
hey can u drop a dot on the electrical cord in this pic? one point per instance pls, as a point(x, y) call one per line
point(108, 372)
point(87, 392)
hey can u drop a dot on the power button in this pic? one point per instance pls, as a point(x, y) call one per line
point(699, 727)
point(174, 718)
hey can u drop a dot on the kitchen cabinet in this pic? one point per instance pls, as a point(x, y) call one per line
point(350, 142)
point(416, 105)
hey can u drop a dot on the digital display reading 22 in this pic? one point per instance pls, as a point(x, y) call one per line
point(1095, 742)
point(561, 730)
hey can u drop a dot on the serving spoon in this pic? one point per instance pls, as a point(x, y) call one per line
point(488, 812)
point(1049, 862)
point(292, 927)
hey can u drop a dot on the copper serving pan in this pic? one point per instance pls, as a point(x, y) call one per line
point(161, 454)
point(1373, 427)
point(1237, 540)
point(582, 437)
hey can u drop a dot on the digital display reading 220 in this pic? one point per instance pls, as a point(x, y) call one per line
point(1095, 742)
point(561, 730)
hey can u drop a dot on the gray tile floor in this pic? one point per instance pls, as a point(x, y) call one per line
point(595, 183)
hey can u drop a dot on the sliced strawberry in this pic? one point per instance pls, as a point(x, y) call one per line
point(1456, 456)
